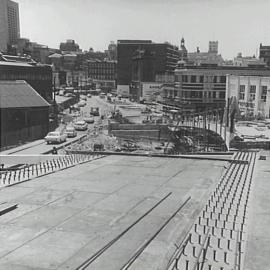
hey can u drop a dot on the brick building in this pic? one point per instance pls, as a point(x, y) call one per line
point(102, 73)
point(37, 75)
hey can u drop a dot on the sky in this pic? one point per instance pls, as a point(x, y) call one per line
point(238, 25)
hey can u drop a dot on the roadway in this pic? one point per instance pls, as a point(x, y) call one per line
point(40, 146)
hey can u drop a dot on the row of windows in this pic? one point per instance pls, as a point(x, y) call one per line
point(102, 77)
point(109, 71)
point(111, 66)
point(252, 92)
point(202, 79)
point(205, 94)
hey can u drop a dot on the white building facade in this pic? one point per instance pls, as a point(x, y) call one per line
point(252, 93)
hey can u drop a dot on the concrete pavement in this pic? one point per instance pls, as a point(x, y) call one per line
point(64, 218)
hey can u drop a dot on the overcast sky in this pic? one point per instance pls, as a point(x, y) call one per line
point(238, 25)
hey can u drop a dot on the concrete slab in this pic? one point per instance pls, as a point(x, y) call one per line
point(51, 250)
point(41, 196)
point(14, 237)
point(67, 216)
point(44, 217)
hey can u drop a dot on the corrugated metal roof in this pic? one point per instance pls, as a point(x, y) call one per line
point(19, 94)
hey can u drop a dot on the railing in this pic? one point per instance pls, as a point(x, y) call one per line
point(9, 176)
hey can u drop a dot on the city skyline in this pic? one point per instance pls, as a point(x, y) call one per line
point(239, 26)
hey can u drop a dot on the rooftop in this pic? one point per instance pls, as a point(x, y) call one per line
point(19, 94)
point(24, 64)
point(224, 67)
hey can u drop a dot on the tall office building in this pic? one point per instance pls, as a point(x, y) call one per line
point(9, 24)
point(265, 54)
point(143, 54)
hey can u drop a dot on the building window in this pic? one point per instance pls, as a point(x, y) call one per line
point(201, 79)
point(185, 78)
point(215, 79)
point(214, 94)
point(222, 79)
point(193, 79)
point(242, 92)
point(264, 93)
point(252, 92)
point(222, 94)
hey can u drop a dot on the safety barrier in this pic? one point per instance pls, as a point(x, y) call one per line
point(27, 172)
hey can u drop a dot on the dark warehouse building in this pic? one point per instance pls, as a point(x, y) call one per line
point(37, 75)
point(24, 113)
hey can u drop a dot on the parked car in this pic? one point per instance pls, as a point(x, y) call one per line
point(70, 131)
point(80, 125)
point(55, 137)
point(81, 103)
point(75, 114)
point(89, 119)
point(102, 95)
point(75, 107)
point(89, 95)
point(61, 92)
point(68, 95)
point(83, 98)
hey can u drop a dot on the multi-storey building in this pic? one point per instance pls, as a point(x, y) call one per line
point(205, 85)
point(69, 46)
point(9, 24)
point(38, 52)
point(101, 70)
point(246, 61)
point(112, 51)
point(165, 57)
point(252, 93)
point(102, 73)
point(265, 54)
point(37, 75)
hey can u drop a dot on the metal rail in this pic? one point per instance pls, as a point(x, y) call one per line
point(144, 246)
point(91, 259)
